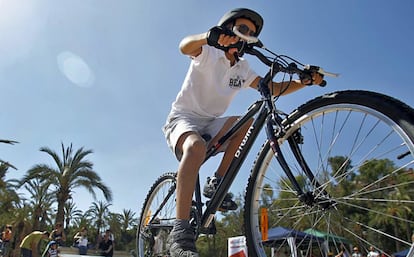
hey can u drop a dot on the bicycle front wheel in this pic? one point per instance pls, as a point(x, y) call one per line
point(359, 147)
point(157, 217)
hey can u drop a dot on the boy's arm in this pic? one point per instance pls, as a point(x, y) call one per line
point(287, 87)
point(192, 45)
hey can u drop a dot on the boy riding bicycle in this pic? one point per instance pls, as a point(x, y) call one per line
point(216, 74)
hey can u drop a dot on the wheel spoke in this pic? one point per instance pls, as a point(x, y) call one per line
point(157, 216)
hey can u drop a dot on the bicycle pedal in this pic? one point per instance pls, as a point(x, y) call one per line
point(223, 208)
point(210, 230)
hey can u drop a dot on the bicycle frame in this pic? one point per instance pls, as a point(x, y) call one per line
point(239, 157)
point(266, 114)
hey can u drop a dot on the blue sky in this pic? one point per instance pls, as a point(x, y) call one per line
point(102, 74)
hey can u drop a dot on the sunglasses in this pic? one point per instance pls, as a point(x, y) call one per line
point(244, 29)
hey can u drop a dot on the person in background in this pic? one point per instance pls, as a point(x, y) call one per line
point(30, 243)
point(81, 239)
point(106, 246)
point(356, 252)
point(58, 234)
point(112, 237)
point(372, 252)
point(51, 250)
point(6, 237)
point(342, 252)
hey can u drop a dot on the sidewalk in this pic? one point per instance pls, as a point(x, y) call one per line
point(73, 252)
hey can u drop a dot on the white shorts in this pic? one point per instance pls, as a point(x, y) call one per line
point(178, 125)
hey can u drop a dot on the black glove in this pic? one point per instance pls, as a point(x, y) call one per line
point(213, 36)
point(306, 78)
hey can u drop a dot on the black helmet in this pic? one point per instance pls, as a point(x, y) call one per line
point(242, 13)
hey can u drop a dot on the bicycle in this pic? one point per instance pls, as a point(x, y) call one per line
point(338, 169)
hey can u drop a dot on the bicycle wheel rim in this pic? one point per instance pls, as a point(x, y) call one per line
point(379, 197)
point(157, 217)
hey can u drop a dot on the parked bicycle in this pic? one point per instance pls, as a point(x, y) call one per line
point(339, 168)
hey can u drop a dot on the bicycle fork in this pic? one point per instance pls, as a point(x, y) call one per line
point(318, 195)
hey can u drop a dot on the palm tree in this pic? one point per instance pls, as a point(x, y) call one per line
point(128, 219)
point(21, 225)
point(84, 220)
point(71, 213)
point(7, 190)
point(71, 171)
point(41, 200)
point(128, 223)
point(5, 164)
point(8, 196)
point(99, 212)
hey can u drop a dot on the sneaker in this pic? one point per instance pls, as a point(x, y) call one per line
point(210, 188)
point(182, 243)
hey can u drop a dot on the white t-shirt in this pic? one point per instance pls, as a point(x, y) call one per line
point(83, 241)
point(53, 252)
point(373, 254)
point(210, 84)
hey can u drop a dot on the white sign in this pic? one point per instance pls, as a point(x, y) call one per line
point(237, 246)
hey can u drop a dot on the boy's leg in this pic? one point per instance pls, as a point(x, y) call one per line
point(233, 144)
point(212, 182)
point(193, 150)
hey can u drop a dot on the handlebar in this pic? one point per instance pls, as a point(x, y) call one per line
point(281, 63)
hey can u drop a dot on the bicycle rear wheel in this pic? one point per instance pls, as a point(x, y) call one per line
point(359, 145)
point(157, 217)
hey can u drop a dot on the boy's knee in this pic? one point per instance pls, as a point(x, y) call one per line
point(196, 149)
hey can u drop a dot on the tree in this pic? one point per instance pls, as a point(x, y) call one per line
point(9, 198)
point(71, 171)
point(7, 193)
point(40, 200)
point(21, 225)
point(84, 220)
point(71, 213)
point(128, 223)
point(5, 165)
point(99, 212)
point(128, 219)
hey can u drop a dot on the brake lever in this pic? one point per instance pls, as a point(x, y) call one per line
point(248, 39)
point(320, 70)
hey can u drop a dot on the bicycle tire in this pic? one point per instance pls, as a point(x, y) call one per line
point(360, 147)
point(152, 231)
